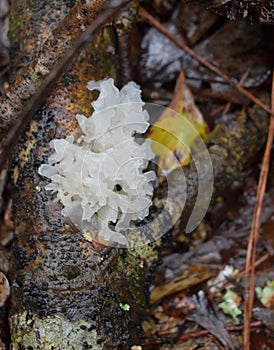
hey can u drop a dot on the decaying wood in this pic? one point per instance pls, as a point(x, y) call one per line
point(124, 24)
point(254, 10)
point(65, 294)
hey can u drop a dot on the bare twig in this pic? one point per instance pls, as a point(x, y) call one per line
point(44, 90)
point(241, 82)
point(146, 16)
point(254, 232)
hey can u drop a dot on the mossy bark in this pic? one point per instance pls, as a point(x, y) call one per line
point(65, 294)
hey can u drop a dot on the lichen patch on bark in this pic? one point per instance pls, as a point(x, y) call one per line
point(53, 332)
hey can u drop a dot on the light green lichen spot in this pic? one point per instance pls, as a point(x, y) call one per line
point(230, 305)
point(266, 294)
point(87, 236)
point(124, 307)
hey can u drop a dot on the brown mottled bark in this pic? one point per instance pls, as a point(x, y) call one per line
point(65, 294)
point(37, 47)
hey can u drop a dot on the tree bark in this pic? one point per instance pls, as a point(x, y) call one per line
point(36, 47)
point(255, 10)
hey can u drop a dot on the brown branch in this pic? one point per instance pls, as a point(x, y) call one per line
point(254, 232)
point(44, 90)
point(146, 16)
point(241, 82)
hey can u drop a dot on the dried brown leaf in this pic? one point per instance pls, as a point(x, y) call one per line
point(193, 276)
point(205, 316)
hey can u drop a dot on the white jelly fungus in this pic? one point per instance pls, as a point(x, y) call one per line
point(99, 178)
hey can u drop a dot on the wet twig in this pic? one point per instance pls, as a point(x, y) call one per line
point(241, 82)
point(254, 232)
point(146, 16)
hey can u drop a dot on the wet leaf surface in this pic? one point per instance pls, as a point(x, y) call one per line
point(174, 135)
point(191, 277)
point(232, 45)
point(178, 305)
point(161, 59)
point(196, 23)
point(264, 315)
point(205, 316)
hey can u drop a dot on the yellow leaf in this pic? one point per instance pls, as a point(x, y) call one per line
point(175, 133)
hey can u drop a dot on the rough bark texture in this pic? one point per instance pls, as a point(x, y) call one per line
point(36, 47)
point(254, 10)
point(65, 294)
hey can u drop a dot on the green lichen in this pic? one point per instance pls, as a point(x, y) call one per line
point(230, 306)
point(124, 307)
point(87, 236)
point(266, 294)
point(51, 332)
